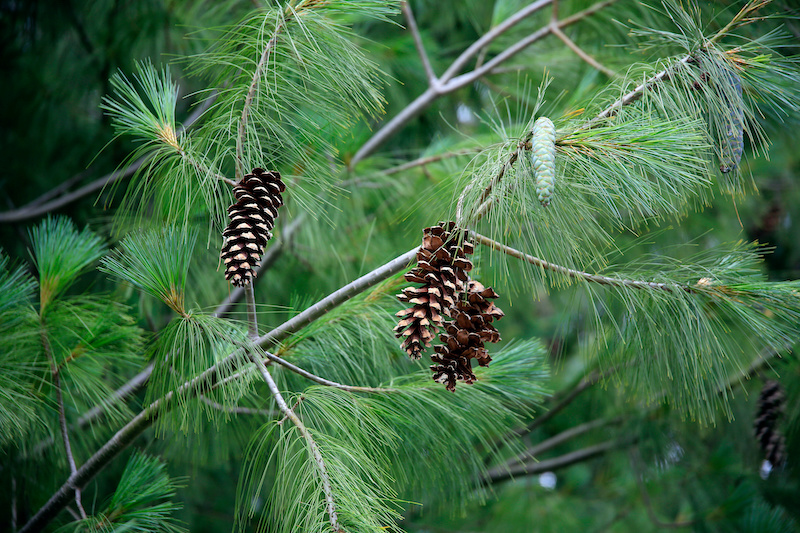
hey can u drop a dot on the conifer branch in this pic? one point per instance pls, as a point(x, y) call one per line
point(577, 274)
point(502, 473)
point(248, 99)
point(322, 381)
point(567, 399)
point(433, 81)
point(330, 503)
point(236, 410)
point(62, 415)
point(448, 83)
point(573, 46)
point(252, 316)
point(556, 440)
point(40, 206)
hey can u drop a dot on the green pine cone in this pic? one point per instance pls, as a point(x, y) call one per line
point(543, 158)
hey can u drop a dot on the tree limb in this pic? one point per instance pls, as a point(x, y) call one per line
point(330, 504)
point(423, 56)
point(62, 416)
point(322, 381)
point(145, 418)
point(39, 207)
point(498, 474)
point(577, 274)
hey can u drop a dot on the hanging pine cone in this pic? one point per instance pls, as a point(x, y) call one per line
point(770, 407)
point(470, 328)
point(258, 197)
point(442, 268)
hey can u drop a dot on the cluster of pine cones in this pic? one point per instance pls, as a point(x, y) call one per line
point(447, 291)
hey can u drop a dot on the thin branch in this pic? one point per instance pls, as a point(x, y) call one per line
point(145, 418)
point(580, 52)
point(498, 474)
point(248, 99)
point(236, 409)
point(560, 438)
point(632, 96)
point(532, 451)
point(252, 315)
point(433, 81)
point(490, 36)
point(330, 504)
point(398, 264)
point(448, 83)
point(577, 274)
point(62, 416)
point(38, 207)
point(322, 381)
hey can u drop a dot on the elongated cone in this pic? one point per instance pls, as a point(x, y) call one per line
point(543, 159)
point(442, 267)
point(770, 407)
point(258, 197)
point(465, 336)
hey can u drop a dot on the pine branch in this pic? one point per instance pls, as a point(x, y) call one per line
point(330, 506)
point(62, 416)
point(322, 381)
point(241, 138)
point(448, 83)
point(577, 274)
point(38, 207)
point(145, 418)
point(499, 474)
point(567, 399)
point(663, 75)
point(574, 47)
point(433, 81)
point(556, 440)
point(236, 410)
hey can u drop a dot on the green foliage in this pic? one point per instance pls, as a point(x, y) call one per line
point(299, 86)
point(18, 400)
point(142, 502)
point(174, 175)
point(369, 441)
point(61, 253)
point(88, 339)
point(186, 347)
point(156, 262)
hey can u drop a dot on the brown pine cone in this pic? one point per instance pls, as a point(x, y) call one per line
point(258, 197)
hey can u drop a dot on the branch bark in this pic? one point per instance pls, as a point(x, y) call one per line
point(577, 274)
point(330, 503)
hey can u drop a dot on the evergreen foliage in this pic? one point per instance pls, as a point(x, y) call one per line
point(599, 192)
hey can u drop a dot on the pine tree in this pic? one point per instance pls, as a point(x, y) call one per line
point(291, 352)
